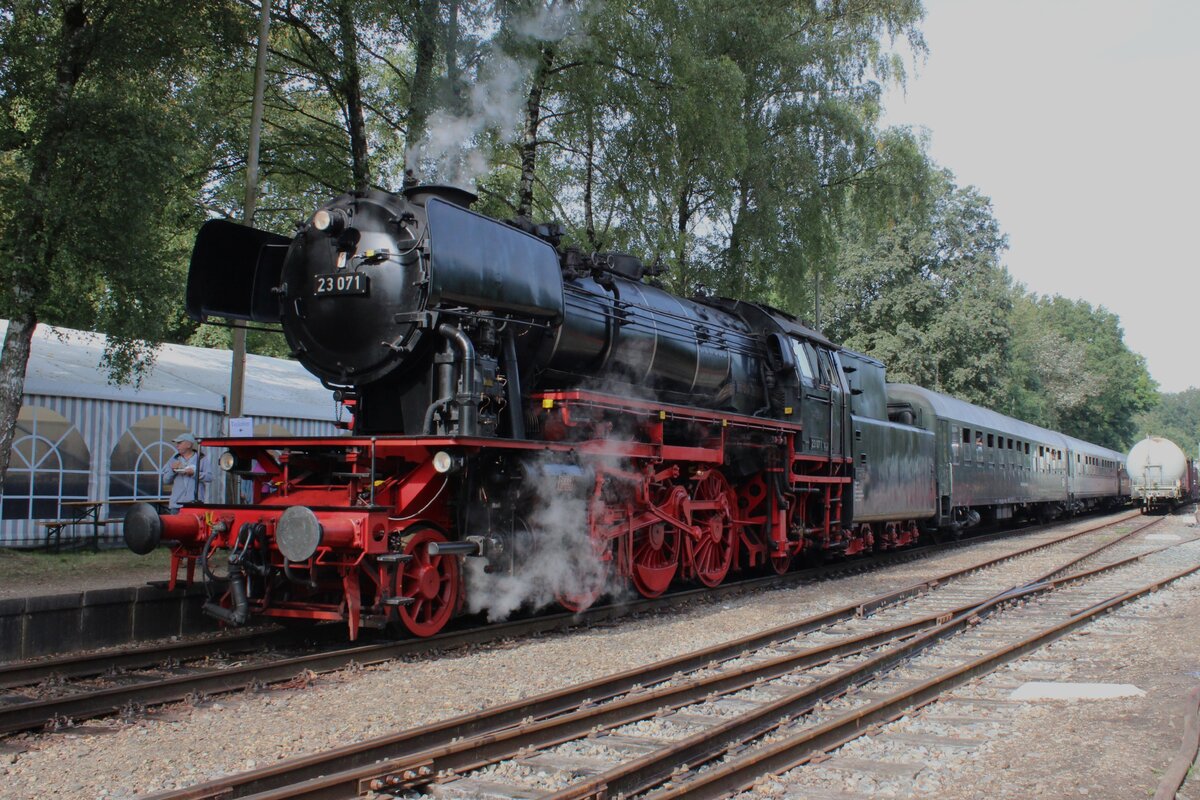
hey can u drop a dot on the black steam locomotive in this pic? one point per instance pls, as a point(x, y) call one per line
point(534, 423)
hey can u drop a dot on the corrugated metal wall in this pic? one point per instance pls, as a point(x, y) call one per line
point(103, 422)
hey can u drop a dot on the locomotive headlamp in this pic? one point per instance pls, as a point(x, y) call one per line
point(444, 462)
point(298, 533)
point(230, 461)
point(330, 220)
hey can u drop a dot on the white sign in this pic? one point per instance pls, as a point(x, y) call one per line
point(241, 427)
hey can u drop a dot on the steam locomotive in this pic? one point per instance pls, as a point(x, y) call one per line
point(532, 424)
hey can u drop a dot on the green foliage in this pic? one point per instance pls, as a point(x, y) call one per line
point(724, 138)
point(928, 296)
point(101, 164)
point(1175, 416)
point(737, 143)
point(1073, 371)
point(259, 341)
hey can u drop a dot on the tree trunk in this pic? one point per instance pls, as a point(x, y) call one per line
point(420, 97)
point(454, 88)
point(736, 269)
point(685, 213)
point(529, 143)
point(13, 359)
point(589, 218)
point(352, 91)
point(36, 248)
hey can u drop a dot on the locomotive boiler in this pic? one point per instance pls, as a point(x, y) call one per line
point(529, 423)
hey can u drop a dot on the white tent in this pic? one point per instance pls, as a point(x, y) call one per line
point(84, 438)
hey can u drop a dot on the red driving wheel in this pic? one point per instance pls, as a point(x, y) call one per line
point(711, 543)
point(654, 551)
point(581, 600)
point(589, 573)
point(655, 558)
point(433, 583)
point(782, 563)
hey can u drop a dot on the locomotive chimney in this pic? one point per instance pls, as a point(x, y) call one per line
point(451, 194)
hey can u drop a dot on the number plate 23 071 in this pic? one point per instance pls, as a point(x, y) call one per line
point(342, 283)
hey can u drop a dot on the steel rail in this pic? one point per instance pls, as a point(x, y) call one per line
point(1181, 765)
point(98, 702)
point(655, 767)
point(796, 750)
point(347, 769)
point(17, 674)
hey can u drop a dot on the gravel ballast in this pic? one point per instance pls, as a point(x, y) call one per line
point(1047, 748)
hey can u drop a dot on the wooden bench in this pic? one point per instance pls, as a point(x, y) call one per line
point(54, 529)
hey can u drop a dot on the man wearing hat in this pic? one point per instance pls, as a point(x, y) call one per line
point(187, 473)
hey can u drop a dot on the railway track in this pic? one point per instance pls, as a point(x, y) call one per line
point(59, 692)
point(598, 739)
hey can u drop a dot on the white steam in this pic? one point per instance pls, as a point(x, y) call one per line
point(562, 561)
point(453, 150)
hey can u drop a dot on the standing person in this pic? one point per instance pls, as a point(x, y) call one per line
point(187, 473)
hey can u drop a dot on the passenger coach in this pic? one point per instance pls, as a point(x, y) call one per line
point(992, 467)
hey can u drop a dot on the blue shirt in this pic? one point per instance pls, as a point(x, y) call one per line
point(186, 488)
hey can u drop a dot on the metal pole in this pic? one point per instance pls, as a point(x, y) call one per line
point(817, 303)
point(237, 379)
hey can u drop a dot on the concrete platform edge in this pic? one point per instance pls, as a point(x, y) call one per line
point(48, 625)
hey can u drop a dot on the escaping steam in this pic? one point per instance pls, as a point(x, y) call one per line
point(452, 151)
point(561, 560)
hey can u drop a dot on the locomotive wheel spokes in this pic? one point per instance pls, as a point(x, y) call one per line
point(590, 579)
point(576, 602)
point(654, 549)
point(795, 521)
point(433, 583)
point(712, 540)
point(655, 559)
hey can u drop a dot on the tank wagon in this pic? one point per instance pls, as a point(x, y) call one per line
point(531, 423)
point(1162, 476)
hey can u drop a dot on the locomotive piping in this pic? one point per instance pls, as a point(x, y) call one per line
point(516, 410)
point(241, 603)
point(468, 414)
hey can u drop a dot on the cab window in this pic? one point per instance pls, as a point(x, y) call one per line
point(828, 375)
point(802, 358)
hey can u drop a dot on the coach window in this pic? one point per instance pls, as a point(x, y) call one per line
point(50, 463)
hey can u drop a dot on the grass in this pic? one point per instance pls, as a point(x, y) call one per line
point(29, 566)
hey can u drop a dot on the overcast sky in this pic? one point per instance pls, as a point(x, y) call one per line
point(1081, 120)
